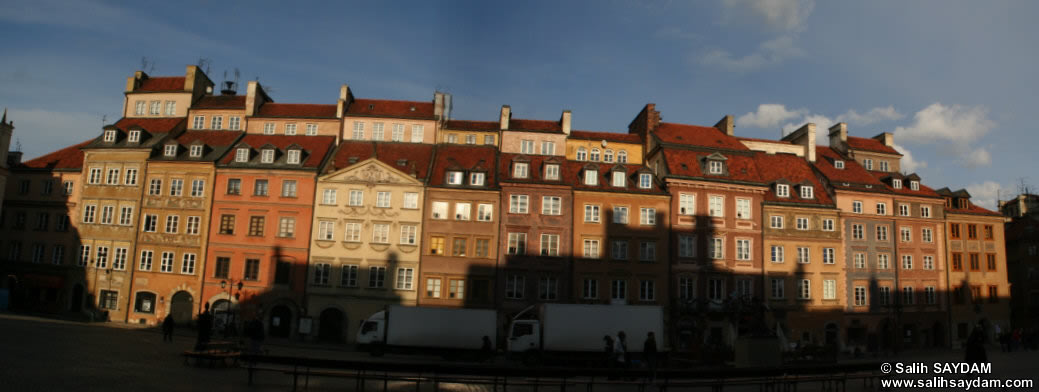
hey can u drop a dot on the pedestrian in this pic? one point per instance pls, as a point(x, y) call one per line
point(976, 346)
point(620, 348)
point(649, 352)
point(486, 350)
point(167, 328)
point(256, 335)
point(607, 341)
point(205, 327)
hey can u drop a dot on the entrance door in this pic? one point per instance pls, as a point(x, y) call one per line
point(831, 334)
point(77, 298)
point(182, 306)
point(280, 321)
point(331, 324)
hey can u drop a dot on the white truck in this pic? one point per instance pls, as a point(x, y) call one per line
point(438, 330)
point(571, 333)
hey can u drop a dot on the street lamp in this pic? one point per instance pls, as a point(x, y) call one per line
point(228, 314)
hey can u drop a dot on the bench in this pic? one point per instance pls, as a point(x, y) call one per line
point(227, 358)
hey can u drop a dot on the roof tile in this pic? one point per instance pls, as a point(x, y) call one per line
point(70, 157)
point(466, 158)
point(390, 108)
point(695, 135)
point(161, 84)
point(608, 136)
point(317, 147)
point(417, 155)
point(874, 145)
point(220, 102)
point(297, 110)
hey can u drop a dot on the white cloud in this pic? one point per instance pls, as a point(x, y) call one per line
point(957, 124)
point(987, 193)
point(768, 115)
point(773, 51)
point(873, 115)
point(783, 15)
point(977, 157)
point(909, 163)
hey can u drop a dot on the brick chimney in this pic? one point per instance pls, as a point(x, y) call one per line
point(565, 122)
point(506, 114)
point(805, 137)
point(839, 137)
point(254, 98)
point(438, 105)
point(646, 121)
point(345, 98)
point(726, 125)
point(887, 138)
point(133, 82)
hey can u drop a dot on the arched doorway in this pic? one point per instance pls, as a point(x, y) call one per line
point(222, 314)
point(280, 322)
point(182, 306)
point(331, 324)
point(77, 298)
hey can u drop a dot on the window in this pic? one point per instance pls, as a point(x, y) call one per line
point(802, 223)
point(856, 207)
point(139, 108)
point(990, 262)
point(838, 164)
point(176, 187)
point(193, 224)
point(405, 278)
point(382, 200)
point(151, 222)
point(881, 233)
point(883, 166)
point(113, 177)
point(591, 249)
point(88, 213)
point(715, 167)
point(620, 215)
point(907, 295)
point(256, 226)
point(353, 232)
point(618, 179)
point(868, 163)
point(776, 221)
point(742, 249)
point(975, 264)
point(166, 263)
point(217, 123)
point(520, 170)
point(68, 186)
point(408, 235)
point(226, 224)
point(196, 151)
point(172, 223)
point(860, 296)
point(37, 253)
point(198, 187)
point(829, 289)
point(463, 211)
point(881, 209)
point(930, 295)
point(884, 295)
point(856, 232)
point(717, 247)
point(882, 262)
point(410, 200)
point(95, 176)
point(84, 255)
point(594, 155)
point(488, 139)
point(716, 206)
point(804, 289)
point(376, 134)
point(620, 250)
point(686, 288)
point(286, 227)
point(914, 185)
point(743, 208)
point(928, 262)
point(234, 123)
point(349, 276)
point(268, 128)
point(645, 180)
point(988, 232)
point(109, 299)
point(526, 146)
point(170, 150)
point(993, 294)
point(647, 216)
point(828, 255)
point(828, 225)
point(647, 290)
point(905, 234)
point(590, 289)
point(514, 286)
point(252, 269)
point(290, 129)
point(62, 224)
point(778, 254)
point(552, 172)
point(477, 179)
point(293, 157)
point(241, 155)
point(954, 231)
point(109, 136)
point(622, 156)
point(433, 287)
point(804, 255)
point(440, 209)
point(619, 290)
point(807, 192)
point(686, 246)
point(356, 198)
point(145, 263)
point(397, 134)
point(607, 156)
point(517, 243)
point(130, 179)
point(436, 246)
point(485, 212)
point(483, 247)
point(715, 289)
point(648, 251)
point(518, 204)
point(548, 288)
point(376, 277)
point(381, 233)
point(187, 265)
point(42, 219)
point(782, 190)
point(321, 273)
point(582, 154)
point(925, 211)
point(135, 136)
point(267, 155)
point(328, 197)
point(455, 177)
point(907, 262)
point(895, 183)
point(903, 210)
point(591, 177)
point(471, 140)
point(416, 133)
point(591, 213)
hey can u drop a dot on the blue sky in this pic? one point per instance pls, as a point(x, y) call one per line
point(954, 80)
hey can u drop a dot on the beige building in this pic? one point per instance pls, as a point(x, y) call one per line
point(384, 120)
point(367, 223)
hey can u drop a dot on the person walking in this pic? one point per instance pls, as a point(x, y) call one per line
point(167, 328)
point(254, 330)
point(486, 350)
point(976, 346)
point(620, 348)
point(205, 327)
point(649, 351)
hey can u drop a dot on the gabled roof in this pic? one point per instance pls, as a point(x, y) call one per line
point(216, 144)
point(465, 158)
point(972, 209)
point(574, 175)
point(315, 149)
point(607, 136)
point(536, 170)
point(546, 126)
point(415, 156)
point(152, 125)
point(156, 129)
point(390, 108)
point(874, 145)
point(161, 84)
point(695, 135)
point(70, 157)
point(924, 190)
point(856, 176)
point(466, 125)
point(220, 102)
point(794, 170)
point(686, 163)
point(297, 110)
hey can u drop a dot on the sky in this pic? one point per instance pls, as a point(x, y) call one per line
point(954, 81)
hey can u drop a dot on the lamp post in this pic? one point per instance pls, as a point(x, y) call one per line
point(228, 321)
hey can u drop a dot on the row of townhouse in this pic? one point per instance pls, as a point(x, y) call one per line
point(315, 216)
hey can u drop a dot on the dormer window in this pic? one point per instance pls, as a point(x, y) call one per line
point(582, 154)
point(267, 156)
point(782, 190)
point(293, 158)
point(455, 177)
point(838, 164)
point(241, 155)
point(591, 177)
point(963, 204)
point(552, 172)
point(477, 179)
point(135, 136)
point(520, 170)
point(914, 185)
point(171, 150)
point(896, 183)
point(619, 179)
point(109, 136)
point(645, 180)
point(807, 192)
point(196, 151)
point(715, 167)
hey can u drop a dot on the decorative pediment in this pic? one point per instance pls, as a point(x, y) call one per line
point(716, 157)
point(371, 171)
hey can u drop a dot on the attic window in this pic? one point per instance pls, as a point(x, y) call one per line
point(838, 164)
point(268, 156)
point(171, 150)
point(591, 177)
point(715, 167)
point(135, 136)
point(896, 183)
point(413, 108)
point(552, 172)
point(109, 136)
point(619, 179)
point(293, 158)
point(454, 177)
point(520, 170)
point(196, 151)
point(477, 179)
point(402, 162)
point(351, 160)
point(645, 180)
point(241, 155)
point(371, 106)
point(807, 192)
point(914, 185)
point(782, 190)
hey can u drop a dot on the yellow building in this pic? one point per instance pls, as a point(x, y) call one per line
point(606, 147)
point(484, 133)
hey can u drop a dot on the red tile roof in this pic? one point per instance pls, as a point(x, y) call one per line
point(853, 173)
point(608, 136)
point(972, 209)
point(535, 125)
point(389, 108)
point(796, 170)
point(152, 125)
point(465, 158)
point(751, 139)
point(536, 170)
point(465, 125)
point(686, 163)
point(67, 158)
point(159, 84)
point(874, 145)
point(316, 147)
point(695, 135)
point(924, 190)
point(574, 174)
point(297, 110)
point(220, 102)
point(209, 138)
point(417, 156)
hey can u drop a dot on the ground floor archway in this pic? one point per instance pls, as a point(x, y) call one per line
point(330, 325)
point(280, 321)
point(182, 306)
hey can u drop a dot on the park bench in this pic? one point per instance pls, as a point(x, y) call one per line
point(223, 352)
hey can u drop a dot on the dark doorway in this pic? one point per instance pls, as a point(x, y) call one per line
point(182, 307)
point(831, 334)
point(939, 335)
point(331, 324)
point(221, 310)
point(76, 303)
point(280, 321)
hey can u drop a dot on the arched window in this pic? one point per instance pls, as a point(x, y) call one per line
point(622, 156)
point(607, 156)
point(595, 155)
point(582, 154)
